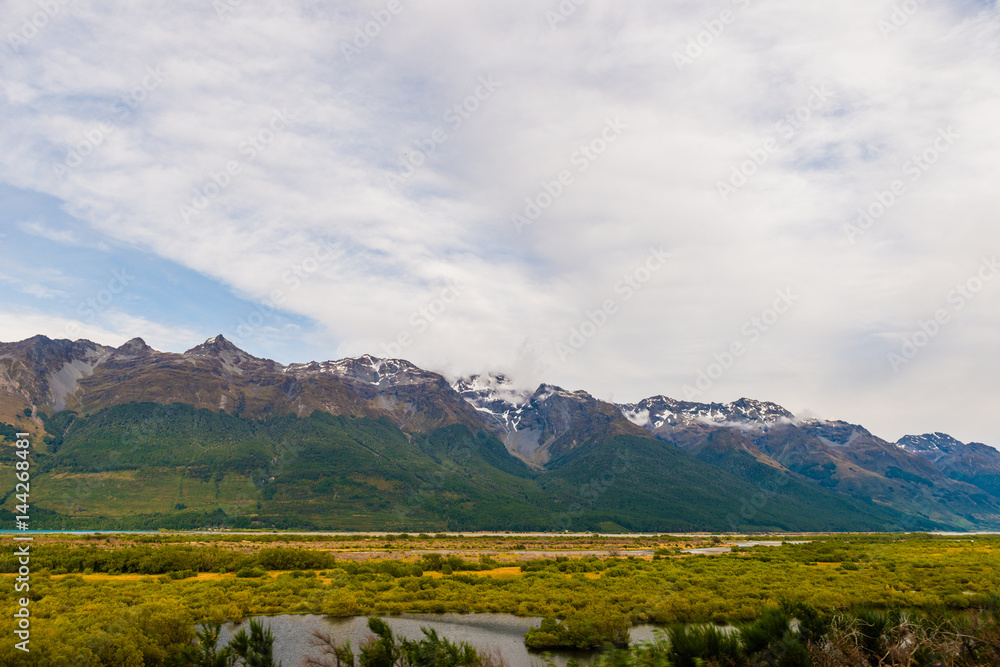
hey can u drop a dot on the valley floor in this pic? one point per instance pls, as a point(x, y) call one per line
point(128, 599)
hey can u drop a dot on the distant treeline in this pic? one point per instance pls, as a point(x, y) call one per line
point(166, 559)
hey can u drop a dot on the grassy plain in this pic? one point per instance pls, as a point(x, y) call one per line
point(127, 599)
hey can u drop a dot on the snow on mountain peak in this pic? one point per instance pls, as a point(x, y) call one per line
point(368, 369)
point(661, 411)
point(929, 442)
point(495, 395)
point(491, 387)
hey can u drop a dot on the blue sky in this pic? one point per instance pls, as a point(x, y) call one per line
point(106, 289)
point(486, 186)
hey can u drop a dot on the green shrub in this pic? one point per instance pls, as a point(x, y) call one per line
point(579, 633)
point(250, 573)
point(690, 646)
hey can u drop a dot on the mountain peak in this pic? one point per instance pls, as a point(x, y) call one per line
point(370, 370)
point(547, 391)
point(133, 349)
point(752, 409)
point(233, 359)
point(973, 462)
point(929, 442)
point(481, 389)
point(662, 411)
point(215, 345)
point(44, 350)
point(498, 395)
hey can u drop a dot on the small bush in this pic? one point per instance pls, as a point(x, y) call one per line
point(250, 573)
point(181, 574)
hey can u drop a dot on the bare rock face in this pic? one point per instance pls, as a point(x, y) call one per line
point(543, 425)
point(44, 372)
point(133, 349)
point(843, 457)
point(217, 375)
point(933, 476)
point(973, 462)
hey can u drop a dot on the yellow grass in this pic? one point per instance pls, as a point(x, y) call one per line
point(501, 572)
point(203, 576)
point(498, 573)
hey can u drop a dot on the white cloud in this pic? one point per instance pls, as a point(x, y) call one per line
point(40, 291)
point(61, 236)
point(324, 177)
point(39, 229)
point(39, 287)
point(20, 324)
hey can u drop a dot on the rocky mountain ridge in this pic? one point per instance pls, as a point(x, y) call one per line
point(932, 478)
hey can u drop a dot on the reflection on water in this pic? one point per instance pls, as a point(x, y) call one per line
point(499, 633)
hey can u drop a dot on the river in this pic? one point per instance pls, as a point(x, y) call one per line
point(500, 633)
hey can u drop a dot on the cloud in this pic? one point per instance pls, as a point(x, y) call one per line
point(117, 329)
point(176, 107)
point(40, 292)
point(35, 286)
point(39, 229)
point(66, 237)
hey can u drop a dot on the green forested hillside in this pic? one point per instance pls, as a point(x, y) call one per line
point(649, 485)
point(145, 465)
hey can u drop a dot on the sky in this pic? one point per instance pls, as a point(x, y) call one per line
point(788, 201)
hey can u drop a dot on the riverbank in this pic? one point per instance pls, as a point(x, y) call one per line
point(95, 594)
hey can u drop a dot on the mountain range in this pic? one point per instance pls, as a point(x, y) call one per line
point(130, 437)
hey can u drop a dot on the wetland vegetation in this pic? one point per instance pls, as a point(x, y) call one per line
point(138, 599)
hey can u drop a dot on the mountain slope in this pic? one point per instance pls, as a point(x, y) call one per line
point(543, 426)
point(974, 463)
point(641, 484)
point(841, 457)
point(133, 437)
point(150, 465)
point(51, 376)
